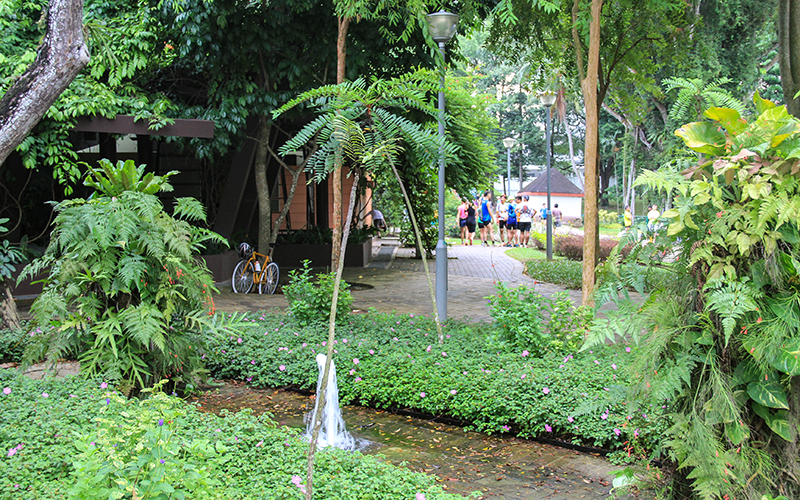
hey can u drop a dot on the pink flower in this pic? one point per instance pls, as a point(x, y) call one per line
point(523, 376)
point(636, 433)
point(617, 432)
point(12, 452)
point(627, 349)
point(548, 428)
point(282, 367)
point(103, 385)
point(7, 391)
point(259, 443)
point(453, 392)
point(613, 366)
point(428, 349)
point(253, 362)
point(546, 390)
point(352, 371)
point(371, 351)
point(324, 343)
point(355, 361)
point(45, 395)
point(422, 394)
point(570, 419)
point(297, 480)
point(444, 354)
point(420, 496)
point(604, 416)
point(239, 340)
point(525, 353)
point(358, 379)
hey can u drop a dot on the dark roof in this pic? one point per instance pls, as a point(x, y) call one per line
point(127, 124)
point(559, 184)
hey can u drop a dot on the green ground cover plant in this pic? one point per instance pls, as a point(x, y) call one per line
point(390, 361)
point(560, 272)
point(78, 438)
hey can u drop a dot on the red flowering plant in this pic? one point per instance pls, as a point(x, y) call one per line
point(720, 340)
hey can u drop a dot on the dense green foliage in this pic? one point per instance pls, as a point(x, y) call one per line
point(124, 291)
point(394, 361)
point(78, 439)
point(538, 324)
point(559, 272)
point(720, 339)
point(310, 296)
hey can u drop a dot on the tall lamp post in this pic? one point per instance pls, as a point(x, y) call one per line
point(509, 142)
point(548, 99)
point(442, 27)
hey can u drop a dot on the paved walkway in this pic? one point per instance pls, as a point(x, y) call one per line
point(395, 282)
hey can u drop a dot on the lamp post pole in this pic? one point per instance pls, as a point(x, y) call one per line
point(509, 142)
point(548, 99)
point(442, 27)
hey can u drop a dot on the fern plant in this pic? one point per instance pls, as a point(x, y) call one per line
point(694, 96)
point(720, 343)
point(125, 291)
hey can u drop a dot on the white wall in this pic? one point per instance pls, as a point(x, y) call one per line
point(570, 206)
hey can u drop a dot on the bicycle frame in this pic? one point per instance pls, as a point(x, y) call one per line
point(259, 275)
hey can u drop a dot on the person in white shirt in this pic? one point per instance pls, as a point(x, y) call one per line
point(524, 218)
point(502, 219)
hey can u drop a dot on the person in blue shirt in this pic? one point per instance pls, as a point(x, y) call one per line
point(485, 218)
point(511, 223)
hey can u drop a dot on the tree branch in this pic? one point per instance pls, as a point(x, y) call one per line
point(62, 55)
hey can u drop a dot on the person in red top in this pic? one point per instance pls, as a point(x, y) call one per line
point(462, 219)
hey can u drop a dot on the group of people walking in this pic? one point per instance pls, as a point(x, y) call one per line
point(514, 218)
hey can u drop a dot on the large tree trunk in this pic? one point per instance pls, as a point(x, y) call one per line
point(590, 223)
point(336, 181)
point(262, 186)
point(789, 52)
point(62, 55)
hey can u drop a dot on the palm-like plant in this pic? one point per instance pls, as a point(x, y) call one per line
point(695, 96)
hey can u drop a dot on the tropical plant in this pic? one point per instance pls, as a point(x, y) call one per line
point(720, 341)
point(9, 256)
point(694, 96)
point(310, 302)
point(124, 289)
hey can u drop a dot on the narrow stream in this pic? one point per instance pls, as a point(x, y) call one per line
point(501, 468)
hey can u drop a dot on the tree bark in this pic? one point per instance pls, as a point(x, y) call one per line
point(336, 181)
point(590, 97)
point(62, 55)
point(262, 186)
point(9, 318)
point(789, 52)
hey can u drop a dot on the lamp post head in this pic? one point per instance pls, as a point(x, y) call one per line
point(548, 98)
point(509, 142)
point(442, 25)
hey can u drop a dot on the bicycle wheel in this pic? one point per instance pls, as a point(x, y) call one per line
point(271, 277)
point(242, 278)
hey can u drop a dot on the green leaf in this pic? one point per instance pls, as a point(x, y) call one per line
point(703, 137)
point(728, 118)
point(787, 359)
point(762, 104)
point(779, 423)
point(737, 432)
point(768, 394)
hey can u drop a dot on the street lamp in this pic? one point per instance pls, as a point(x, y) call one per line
point(548, 99)
point(509, 142)
point(442, 27)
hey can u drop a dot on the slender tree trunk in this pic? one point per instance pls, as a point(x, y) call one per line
point(336, 178)
point(572, 155)
point(262, 186)
point(590, 224)
point(9, 318)
point(329, 357)
point(62, 55)
point(789, 52)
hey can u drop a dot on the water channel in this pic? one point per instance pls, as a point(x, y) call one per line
point(498, 468)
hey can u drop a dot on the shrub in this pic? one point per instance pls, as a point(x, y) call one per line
point(77, 439)
point(310, 302)
point(571, 247)
point(389, 361)
point(125, 289)
point(539, 240)
point(607, 217)
point(519, 314)
point(568, 273)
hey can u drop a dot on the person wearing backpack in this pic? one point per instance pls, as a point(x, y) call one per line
point(511, 223)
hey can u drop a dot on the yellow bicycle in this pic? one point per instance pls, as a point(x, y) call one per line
point(254, 268)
